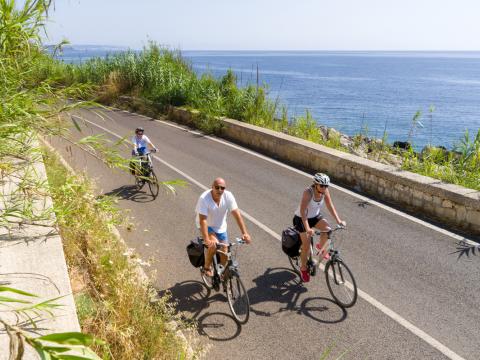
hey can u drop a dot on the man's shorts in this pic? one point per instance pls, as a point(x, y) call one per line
point(298, 223)
point(221, 237)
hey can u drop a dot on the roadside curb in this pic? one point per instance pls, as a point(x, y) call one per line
point(140, 272)
point(33, 260)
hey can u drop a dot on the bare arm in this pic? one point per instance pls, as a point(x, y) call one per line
point(303, 210)
point(238, 217)
point(203, 228)
point(331, 208)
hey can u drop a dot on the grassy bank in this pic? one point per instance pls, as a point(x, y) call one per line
point(161, 78)
point(112, 302)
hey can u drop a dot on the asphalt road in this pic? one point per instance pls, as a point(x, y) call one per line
point(418, 300)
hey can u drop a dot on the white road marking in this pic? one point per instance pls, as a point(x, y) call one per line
point(390, 313)
point(351, 193)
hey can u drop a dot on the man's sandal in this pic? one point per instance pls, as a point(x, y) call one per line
point(208, 272)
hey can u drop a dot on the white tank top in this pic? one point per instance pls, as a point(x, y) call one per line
point(314, 207)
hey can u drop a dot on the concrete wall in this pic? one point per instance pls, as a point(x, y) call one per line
point(450, 204)
point(32, 260)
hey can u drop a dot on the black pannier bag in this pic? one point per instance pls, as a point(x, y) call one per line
point(291, 242)
point(195, 252)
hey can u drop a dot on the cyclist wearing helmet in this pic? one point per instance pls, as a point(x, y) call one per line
point(308, 216)
point(140, 142)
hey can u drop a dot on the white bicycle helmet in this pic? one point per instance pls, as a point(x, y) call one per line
point(322, 179)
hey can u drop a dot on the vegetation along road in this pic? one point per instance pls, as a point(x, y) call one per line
point(417, 299)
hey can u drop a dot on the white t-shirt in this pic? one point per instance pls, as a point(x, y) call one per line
point(143, 142)
point(216, 214)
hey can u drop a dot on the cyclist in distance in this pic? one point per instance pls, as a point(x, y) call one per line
point(141, 142)
point(309, 215)
point(211, 217)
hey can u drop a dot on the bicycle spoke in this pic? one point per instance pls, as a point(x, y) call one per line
point(238, 299)
point(341, 283)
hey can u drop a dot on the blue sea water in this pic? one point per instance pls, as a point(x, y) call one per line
point(368, 92)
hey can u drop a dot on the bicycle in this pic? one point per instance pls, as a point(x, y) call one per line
point(229, 277)
point(144, 174)
point(340, 280)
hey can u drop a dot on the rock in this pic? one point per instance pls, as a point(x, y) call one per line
point(333, 134)
point(345, 140)
point(324, 130)
point(404, 145)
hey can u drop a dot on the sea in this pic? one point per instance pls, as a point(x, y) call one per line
point(377, 94)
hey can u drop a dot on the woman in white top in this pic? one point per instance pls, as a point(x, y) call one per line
point(141, 142)
point(309, 215)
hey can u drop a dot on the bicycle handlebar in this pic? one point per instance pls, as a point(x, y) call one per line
point(338, 227)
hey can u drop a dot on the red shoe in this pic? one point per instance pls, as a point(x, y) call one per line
point(304, 275)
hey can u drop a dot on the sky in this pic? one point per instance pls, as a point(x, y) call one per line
point(269, 24)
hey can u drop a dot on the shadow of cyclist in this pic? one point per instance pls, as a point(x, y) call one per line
point(275, 285)
point(283, 286)
point(192, 297)
point(131, 192)
point(218, 326)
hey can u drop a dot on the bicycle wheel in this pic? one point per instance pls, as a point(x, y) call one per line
point(207, 280)
point(341, 283)
point(295, 263)
point(139, 182)
point(153, 184)
point(238, 299)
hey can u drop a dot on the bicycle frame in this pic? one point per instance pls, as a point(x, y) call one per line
point(330, 245)
point(231, 266)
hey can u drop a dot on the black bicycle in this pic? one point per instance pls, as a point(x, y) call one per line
point(340, 280)
point(229, 277)
point(144, 174)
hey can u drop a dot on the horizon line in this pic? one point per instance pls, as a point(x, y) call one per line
point(272, 50)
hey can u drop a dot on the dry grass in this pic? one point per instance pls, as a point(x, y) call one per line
point(112, 303)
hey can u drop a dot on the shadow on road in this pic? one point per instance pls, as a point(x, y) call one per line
point(131, 192)
point(193, 297)
point(278, 290)
point(218, 326)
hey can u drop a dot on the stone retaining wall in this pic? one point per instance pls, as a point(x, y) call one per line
point(452, 204)
point(32, 260)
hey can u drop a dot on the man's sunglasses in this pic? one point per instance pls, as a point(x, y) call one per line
point(139, 132)
point(322, 186)
point(218, 187)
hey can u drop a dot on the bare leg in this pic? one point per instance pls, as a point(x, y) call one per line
point(223, 258)
point(212, 249)
point(323, 225)
point(305, 250)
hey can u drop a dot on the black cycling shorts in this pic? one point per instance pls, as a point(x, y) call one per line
point(298, 223)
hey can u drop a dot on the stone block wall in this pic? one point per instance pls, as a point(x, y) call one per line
point(447, 203)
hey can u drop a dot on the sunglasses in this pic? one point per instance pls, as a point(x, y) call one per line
point(218, 187)
point(322, 186)
point(139, 132)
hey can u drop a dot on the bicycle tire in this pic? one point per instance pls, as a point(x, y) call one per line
point(295, 263)
point(207, 280)
point(341, 283)
point(153, 184)
point(238, 299)
point(139, 182)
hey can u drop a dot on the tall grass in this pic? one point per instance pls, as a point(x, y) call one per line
point(163, 78)
point(112, 303)
point(461, 166)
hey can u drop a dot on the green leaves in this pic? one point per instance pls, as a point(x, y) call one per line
point(70, 345)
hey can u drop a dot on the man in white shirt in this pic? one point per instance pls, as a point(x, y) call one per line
point(212, 209)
